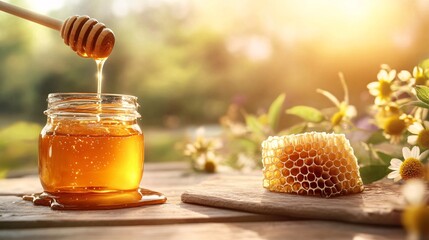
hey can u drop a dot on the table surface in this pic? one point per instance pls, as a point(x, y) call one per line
point(173, 220)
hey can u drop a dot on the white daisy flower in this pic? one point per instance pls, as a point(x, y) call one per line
point(420, 134)
point(383, 88)
point(411, 167)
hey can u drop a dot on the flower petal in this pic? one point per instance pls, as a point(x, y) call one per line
point(351, 111)
point(373, 85)
point(374, 91)
point(397, 178)
point(415, 128)
point(382, 75)
point(426, 124)
point(412, 139)
point(406, 152)
point(404, 75)
point(393, 175)
point(423, 155)
point(392, 75)
point(396, 163)
point(415, 152)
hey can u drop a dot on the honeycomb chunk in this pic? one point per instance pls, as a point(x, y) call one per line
point(314, 163)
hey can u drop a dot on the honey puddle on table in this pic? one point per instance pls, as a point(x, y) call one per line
point(97, 201)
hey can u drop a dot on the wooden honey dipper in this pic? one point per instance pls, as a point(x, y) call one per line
point(86, 36)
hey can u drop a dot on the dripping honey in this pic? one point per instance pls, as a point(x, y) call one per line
point(90, 156)
point(91, 152)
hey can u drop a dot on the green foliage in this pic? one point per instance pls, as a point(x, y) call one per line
point(275, 111)
point(308, 114)
point(376, 138)
point(384, 157)
point(423, 94)
point(18, 132)
point(373, 173)
point(18, 146)
point(254, 125)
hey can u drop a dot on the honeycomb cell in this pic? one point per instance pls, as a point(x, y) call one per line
point(309, 161)
point(289, 149)
point(310, 164)
point(294, 156)
point(285, 172)
point(294, 171)
point(304, 170)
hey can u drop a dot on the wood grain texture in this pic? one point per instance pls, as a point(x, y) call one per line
point(17, 213)
point(207, 231)
point(379, 204)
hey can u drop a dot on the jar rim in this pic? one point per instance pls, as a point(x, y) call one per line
point(88, 94)
point(92, 105)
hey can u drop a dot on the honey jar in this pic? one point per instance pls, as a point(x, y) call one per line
point(91, 144)
point(91, 153)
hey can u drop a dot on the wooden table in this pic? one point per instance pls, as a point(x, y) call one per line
point(174, 220)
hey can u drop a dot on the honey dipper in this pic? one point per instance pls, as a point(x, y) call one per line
point(86, 36)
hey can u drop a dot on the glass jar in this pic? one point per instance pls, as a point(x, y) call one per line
point(91, 143)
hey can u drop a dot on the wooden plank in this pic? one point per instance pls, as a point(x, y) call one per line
point(378, 204)
point(16, 213)
point(208, 231)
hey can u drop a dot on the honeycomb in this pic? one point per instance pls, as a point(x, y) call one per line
point(314, 163)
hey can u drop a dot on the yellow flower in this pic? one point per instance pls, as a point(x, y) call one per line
point(395, 126)
point(415, 217)
point(202, 152)
point(345, 111)
point(418, 78)
point(411, 167)
point(202, 145)
point(384, 113)
point(383, 88)
point(420, 134)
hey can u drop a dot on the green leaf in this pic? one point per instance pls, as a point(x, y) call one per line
point(253, 124)
point(373, 173)
point(384, 157)
point(308, 114)
point(275, 110)
point(416, 104)
point(376, 138)
point(295, 129)
point(423, 93)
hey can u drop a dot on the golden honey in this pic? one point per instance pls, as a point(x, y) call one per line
point(74, 158)
point(91, 153)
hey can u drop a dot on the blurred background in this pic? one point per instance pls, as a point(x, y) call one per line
point(188, 60)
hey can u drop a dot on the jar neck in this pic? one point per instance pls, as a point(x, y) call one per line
point(90, 106)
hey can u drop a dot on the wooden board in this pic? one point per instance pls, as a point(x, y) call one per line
point(379, 204)
point(17, 213)
point(207, 231)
